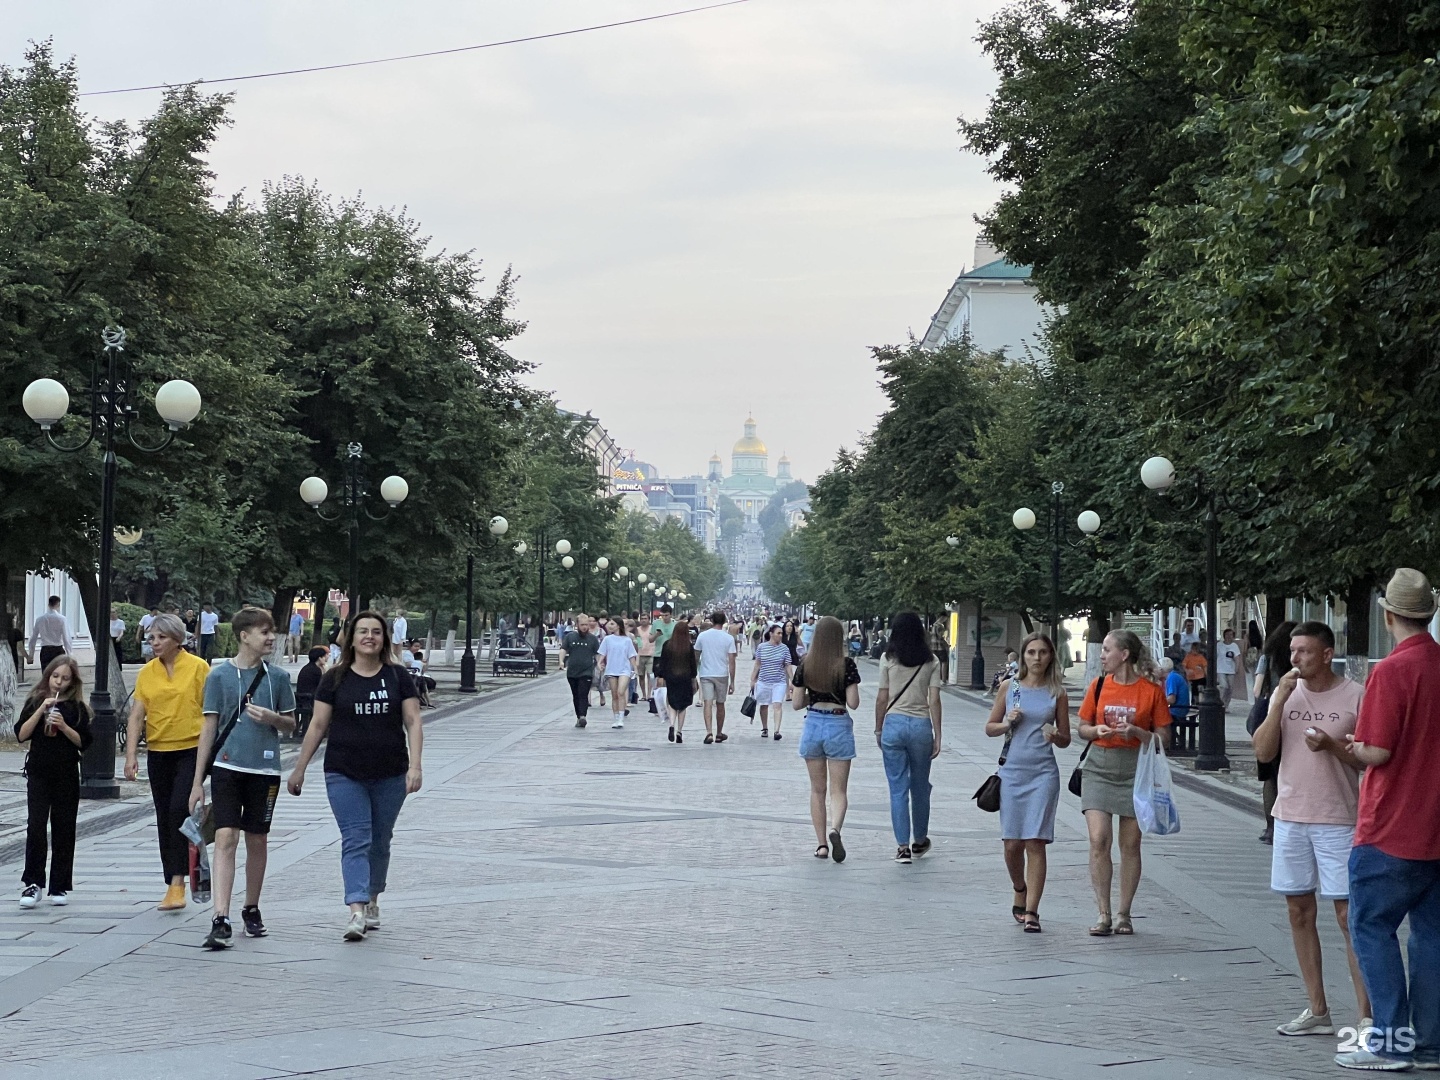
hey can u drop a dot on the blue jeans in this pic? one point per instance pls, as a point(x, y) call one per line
point(366, 811)
point(1383, 890)
point(906, 743)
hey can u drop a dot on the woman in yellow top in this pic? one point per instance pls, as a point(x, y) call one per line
point(1131, 705)
point(168, 700)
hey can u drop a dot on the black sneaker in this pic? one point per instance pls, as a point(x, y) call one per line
point(254, 924)
point(220, 936)
point(580, 721)
point(920, 847)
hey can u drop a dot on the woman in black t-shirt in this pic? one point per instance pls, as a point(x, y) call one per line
point(826, 684)
point(370, 710)
point(55, 721)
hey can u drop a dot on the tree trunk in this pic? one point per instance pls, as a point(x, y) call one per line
point(280, 610)
point(322, 600)
point(1274, 612)
point(1357, 632)
point(1099, 626)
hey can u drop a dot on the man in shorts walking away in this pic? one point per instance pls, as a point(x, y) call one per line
point(1395, 864)
point(577, 653)
point(716, 647)
point(1311, 718)
point(248, 705)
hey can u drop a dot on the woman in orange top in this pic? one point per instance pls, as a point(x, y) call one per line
point(1131, 706)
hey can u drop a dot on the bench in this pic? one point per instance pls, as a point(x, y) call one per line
point(515, 662)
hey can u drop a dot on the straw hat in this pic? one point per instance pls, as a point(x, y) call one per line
point(1409, 595)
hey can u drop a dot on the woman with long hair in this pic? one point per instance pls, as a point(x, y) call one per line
point(790, 638)
point(1032, 711)
point(682, 677)
point(770, 679)
point(907, 730)
point(369, 708)
point(167, 705)
point(1123, 709)
point(826, 684)
point(1273, 663)
point(55, 721)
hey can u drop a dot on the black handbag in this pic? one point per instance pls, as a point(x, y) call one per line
point(747, 707)
point(1264, 770)
point(1077, 778)
point(987, 795)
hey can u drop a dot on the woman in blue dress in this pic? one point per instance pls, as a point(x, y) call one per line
point(1032, 711)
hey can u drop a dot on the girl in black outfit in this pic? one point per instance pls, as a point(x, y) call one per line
point(55, 721)
point(681, 671)
point(1274, 662)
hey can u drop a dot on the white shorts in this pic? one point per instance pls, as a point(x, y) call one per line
point(771, 693)
point(1310, 858)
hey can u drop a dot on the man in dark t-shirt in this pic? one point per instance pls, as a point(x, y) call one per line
point(577, 651)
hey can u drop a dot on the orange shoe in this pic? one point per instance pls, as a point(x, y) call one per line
point(174, 899)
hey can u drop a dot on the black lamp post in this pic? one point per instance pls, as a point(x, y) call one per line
point(1088, 522)
point(562, 549)
point(1158, 474)
point(498, 528)
point(393, 489)
point(602, 564)
point(623, 573)
point(110, 411)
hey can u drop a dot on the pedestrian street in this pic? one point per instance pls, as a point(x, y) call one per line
point(599, 903)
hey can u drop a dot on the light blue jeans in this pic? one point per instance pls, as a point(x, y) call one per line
point(906, 743)
point(366, 811)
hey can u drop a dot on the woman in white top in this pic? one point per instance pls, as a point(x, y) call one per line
point(617, 664)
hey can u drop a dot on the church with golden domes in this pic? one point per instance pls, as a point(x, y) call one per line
point(750, 485)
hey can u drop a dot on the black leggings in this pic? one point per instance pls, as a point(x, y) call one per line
point(172, 773)
point(53, 797)
point(580, 691)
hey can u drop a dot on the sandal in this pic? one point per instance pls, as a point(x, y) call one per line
point(823, 851)
point(764, 733)
point(709, 739)
point(1017, 911)
point(1102, 926)
point(1032, 922)
point(1123, 925)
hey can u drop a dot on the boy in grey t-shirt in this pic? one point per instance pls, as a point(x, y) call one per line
point(246, 777)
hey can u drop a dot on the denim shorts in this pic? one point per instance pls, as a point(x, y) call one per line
point(828, 735)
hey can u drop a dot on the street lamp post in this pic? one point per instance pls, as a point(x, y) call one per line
point(314, 491)
point(46, 402)
point(624, 575)
point(1158, 474)
point(1088, 522)
point(562, 549)
point(602, 564)
point(498, 528)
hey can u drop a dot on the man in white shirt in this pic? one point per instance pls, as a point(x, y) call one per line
point(140, 631)
point(1188, 636)
point(209, 620)
point(717, 674)
point(1227, 661)
point(51, 633)
point(117, 636)
point(399, 634)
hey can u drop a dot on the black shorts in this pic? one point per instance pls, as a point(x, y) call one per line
point(244, 801)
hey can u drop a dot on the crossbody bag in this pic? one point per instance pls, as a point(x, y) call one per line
point(230, 724)
point(1077, 778)
point(987, 795)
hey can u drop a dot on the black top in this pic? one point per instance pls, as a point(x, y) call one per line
point(822, 697)
point(305, 683)
point(56, 753)
point(367, 728)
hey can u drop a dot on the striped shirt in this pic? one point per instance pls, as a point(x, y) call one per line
point(772, 660)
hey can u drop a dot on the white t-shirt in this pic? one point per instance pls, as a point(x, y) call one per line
point(117, 628)
point(209, 620)
point(399, 629)
point(715, 647)
point(617, 649)
point(1225, 657)
point(145, 621)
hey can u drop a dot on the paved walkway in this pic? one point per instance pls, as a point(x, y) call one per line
point(598, 903)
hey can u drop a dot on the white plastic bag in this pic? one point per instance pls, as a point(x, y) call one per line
point(1154, 805)
point(659, 697)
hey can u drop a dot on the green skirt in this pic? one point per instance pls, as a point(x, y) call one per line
point(1109, 783)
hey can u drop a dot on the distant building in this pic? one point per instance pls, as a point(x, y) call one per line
point(996, 303)
point(608, 455)
point(749, 485)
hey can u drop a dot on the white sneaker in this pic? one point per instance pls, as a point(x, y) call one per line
point(29, 896)
point(59, 899)
point(372, 915)
point(618, 724)
point(355, 928)
point(1366, 1061)
point(1307, 1023)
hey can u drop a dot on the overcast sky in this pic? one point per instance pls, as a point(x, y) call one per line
point(709, 214)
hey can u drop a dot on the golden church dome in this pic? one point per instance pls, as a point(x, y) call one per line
point(749, 444)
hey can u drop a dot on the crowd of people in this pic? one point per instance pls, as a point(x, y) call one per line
point(1352, 804)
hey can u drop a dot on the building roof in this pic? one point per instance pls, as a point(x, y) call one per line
point(1000, 271)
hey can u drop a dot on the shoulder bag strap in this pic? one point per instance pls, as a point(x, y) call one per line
point(908, 681)
point(230, 725)
point(1099, 685)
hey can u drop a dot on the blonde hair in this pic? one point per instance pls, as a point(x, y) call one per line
point(824, 666)
point(1053, 682)
point(1138, 654)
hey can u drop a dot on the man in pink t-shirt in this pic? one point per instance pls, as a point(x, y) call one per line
point(1395, 866)
point(1312, 715)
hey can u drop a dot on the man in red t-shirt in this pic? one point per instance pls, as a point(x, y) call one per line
point(1395, 864)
